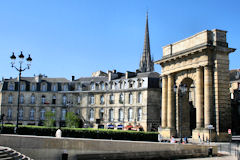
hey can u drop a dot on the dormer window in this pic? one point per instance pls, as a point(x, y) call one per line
point(54, 88)
point(65, 87)
point(92, 86)
point(102, 86)
point(22, 87)
point(44, 87)
point(79, 87)
point(11, 87)
point(33, 87)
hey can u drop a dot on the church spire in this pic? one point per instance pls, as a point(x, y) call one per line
point(146, 63)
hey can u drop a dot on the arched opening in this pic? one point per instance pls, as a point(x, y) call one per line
point(185, 108)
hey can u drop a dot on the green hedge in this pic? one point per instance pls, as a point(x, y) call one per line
point(83, 133)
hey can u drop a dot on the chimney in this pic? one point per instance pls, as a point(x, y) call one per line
point(73, 78)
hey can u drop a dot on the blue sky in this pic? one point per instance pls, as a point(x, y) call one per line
point(78, 37)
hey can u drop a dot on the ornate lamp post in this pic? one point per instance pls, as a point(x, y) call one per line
point(183, 90)
point(20, 69)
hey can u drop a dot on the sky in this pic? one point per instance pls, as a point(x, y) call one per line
point(78, 37)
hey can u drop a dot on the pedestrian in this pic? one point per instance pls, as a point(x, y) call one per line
point(172, 140)
point(58, 133)
point(199, 138)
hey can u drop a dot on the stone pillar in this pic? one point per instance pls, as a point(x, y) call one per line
point(207, 95)
point(164, 101)
point(170, 111)
point(199, 98)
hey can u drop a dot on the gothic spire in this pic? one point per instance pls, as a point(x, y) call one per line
point(146, 63)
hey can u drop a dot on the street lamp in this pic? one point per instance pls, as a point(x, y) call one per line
point(20, 69)
point(183, 90)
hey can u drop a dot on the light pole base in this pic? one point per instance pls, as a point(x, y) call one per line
point(168, 132)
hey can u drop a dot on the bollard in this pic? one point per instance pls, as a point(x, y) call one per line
point(209, 152)
point(65, 155)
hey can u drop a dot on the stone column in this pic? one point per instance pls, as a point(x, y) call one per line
point(207, 95)
point(170, 111)
point(199, 98)
point(164, 101)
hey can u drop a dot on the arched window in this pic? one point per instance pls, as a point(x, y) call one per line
point(102, 99)
point(20, 114)
point(32, 99)
point(9, 113)
point(79, 87)
point(92, 99)
point(139, 114)
point(111, 115)
point(42, 114)
point(63, 116)
point(130, 98)
point(120, 115)
point(10, 99)
point(91, 116)
point(43, 99)
point(64, 100)
point(121, 98)
point(21, 99)
point(130, 114)
point(139, 97)
point(32, 112)
point(11, 87)
point(111, 99)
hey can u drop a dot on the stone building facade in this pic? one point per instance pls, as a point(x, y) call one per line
point(114, 101)
point(235, 100)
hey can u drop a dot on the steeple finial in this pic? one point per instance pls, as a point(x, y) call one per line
point(146, 63)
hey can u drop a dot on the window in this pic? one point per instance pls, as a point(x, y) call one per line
point(120, 115)
point(139, 114)
point(65, 87)
point(64, 100)
point(111, 99)
point(21, 99)
point(101, 113)
point(11, 87)
point(54, 113)
point(130, 84)
point(102, 86)
point(22, 87)
point(79, 99)
point(9, 113)
point(33, 87)
point(115, 86)
point(139, 97)
point(79, 88)
point(78, 111)
point(32, 99)
point(31, 116)
point(20, 114)
point(44, 87)
point(91, 117)
point(130, 114)
point(110, 115)
point(92, 86)
point(10, 99)
point(54, 87)
point(120, 85)
point(92, 99)
point(121, 98)
point(43, 99)
point(54, 99)
point(130, 98)
point(63, 116)
point(42, 114)
point(139, 84)
point(102, 99)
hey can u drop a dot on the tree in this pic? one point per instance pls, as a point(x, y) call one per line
point(72, 120)
point(50, 119)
